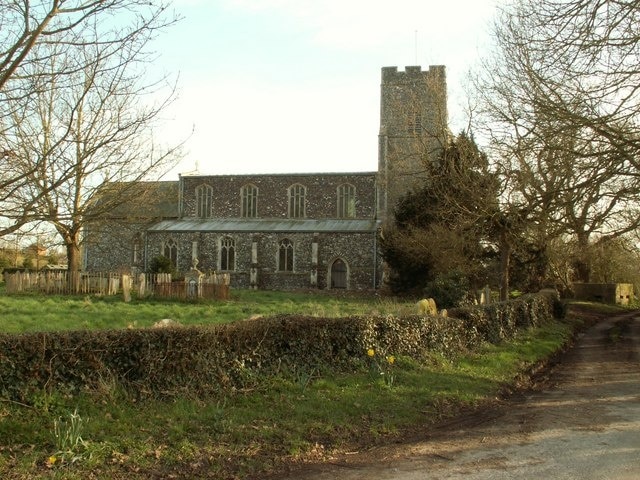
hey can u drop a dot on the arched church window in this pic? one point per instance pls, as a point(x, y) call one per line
point(204, 201)
point(346, 201)
point(137, 249)
point(285, 256)
point(170, 251)
point(415, 123)
point(297, 200)
point(227, 254)
point(249, 194)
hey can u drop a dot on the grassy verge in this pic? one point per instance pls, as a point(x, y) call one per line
point(297, 417)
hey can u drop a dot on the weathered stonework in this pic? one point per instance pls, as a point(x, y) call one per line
point(272, 194)
point(413, 129)
point(332, 237)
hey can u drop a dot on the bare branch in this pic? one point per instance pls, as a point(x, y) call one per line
point(560, 101)
point(80, 117)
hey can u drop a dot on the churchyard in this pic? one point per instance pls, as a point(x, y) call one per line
point(267, 417)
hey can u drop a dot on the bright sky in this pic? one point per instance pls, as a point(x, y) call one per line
point(273, 86)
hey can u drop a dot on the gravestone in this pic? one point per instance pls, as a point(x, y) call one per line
point(193, 280)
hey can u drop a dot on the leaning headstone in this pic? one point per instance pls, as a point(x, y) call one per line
point(427, 306)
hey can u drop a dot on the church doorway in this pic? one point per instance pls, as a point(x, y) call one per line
point(339, 274)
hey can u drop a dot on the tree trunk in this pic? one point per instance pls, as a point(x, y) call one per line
point(582, 270)
point(582, 262)
point(73, 260)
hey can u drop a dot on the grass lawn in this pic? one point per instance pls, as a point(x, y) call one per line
point(296, 417)
point(31, 313)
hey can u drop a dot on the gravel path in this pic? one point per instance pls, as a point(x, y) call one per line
point(584, 425)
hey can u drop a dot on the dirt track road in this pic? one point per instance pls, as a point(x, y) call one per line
point(585, 424)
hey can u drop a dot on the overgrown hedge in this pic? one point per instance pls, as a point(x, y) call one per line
point(208, 360)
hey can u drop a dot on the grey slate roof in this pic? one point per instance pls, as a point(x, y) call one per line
point(140, 199)
point(265, 225)
point(290, 174)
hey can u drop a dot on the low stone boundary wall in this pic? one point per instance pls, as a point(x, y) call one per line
point(615, 293)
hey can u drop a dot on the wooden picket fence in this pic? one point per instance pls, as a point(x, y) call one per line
point(62, 283)
point(211, 286)
point(214, 286)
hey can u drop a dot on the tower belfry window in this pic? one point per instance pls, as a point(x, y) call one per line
point(414, 126)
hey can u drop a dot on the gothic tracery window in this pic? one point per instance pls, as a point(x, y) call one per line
point(249, 194)
point(227, 254)
point(285, 256)
point(170, 251)
point(297, 200)
point(204, 201)
point(346, 201)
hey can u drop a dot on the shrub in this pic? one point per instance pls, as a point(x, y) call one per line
point(162, 264)
point(4, 261)
point(501, 320)
point(221, 358)
point(448, 289)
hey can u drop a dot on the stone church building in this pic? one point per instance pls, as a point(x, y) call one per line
point(285, 231)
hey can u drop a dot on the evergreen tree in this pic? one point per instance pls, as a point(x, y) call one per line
point(445, 225)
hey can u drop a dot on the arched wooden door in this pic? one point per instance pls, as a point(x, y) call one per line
point(339, 274)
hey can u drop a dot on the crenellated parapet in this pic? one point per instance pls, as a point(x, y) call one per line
point(413, 73)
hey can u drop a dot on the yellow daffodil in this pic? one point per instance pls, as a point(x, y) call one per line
point(371, 352)
point(391, 359)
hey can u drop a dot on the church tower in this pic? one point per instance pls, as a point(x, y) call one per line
point(413, 130)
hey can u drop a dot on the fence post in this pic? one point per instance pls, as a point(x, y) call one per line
point(126, 288)
point(142, 285)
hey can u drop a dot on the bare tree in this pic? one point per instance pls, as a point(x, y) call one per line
point(36, 37)
point(559, 100)
point(85, 137)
